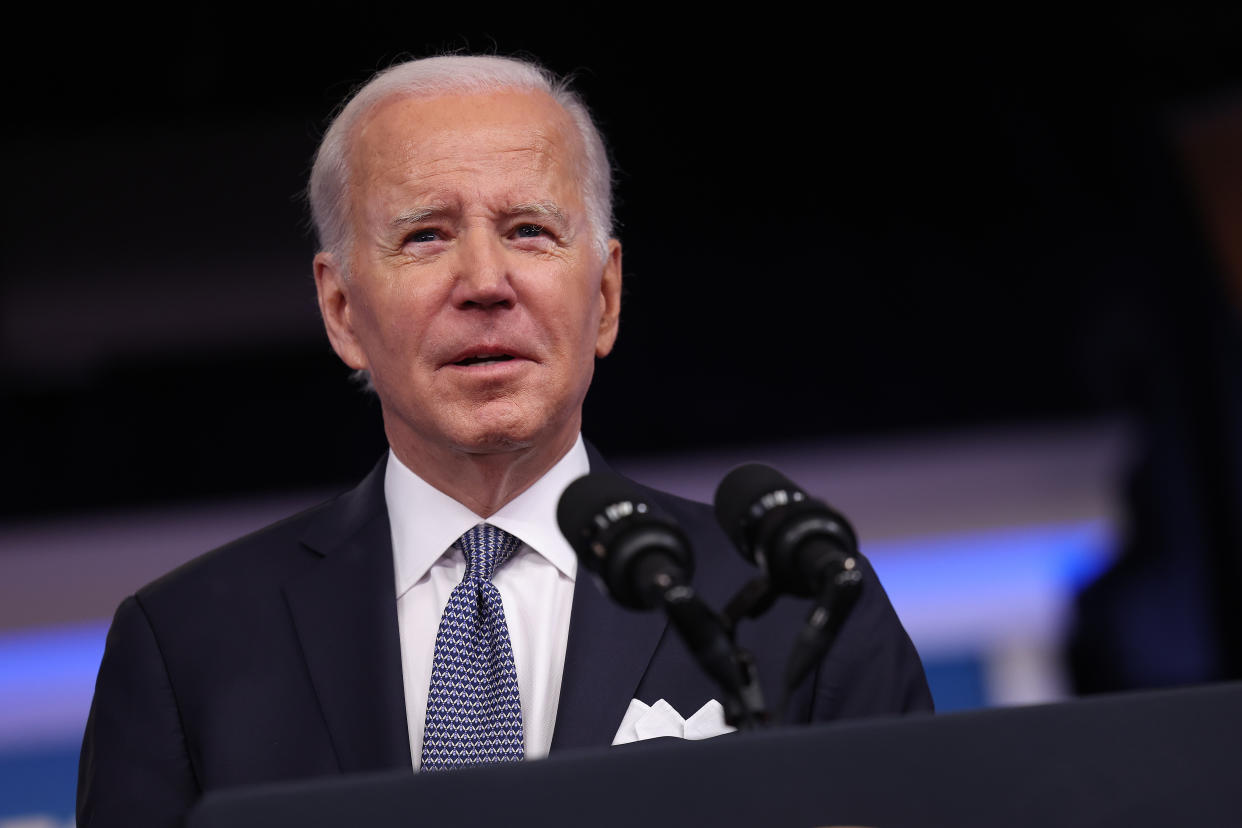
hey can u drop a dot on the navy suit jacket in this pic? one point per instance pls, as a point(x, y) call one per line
point(277, 657)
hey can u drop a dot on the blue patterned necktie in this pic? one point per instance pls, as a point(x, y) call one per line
point(474, 713)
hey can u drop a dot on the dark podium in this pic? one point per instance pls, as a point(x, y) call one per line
point(1170, 758)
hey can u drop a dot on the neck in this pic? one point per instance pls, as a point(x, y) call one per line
point(483, 482)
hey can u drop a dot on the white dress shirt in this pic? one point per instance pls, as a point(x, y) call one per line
point(536, 586)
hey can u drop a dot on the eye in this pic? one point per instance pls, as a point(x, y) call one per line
point(530, 231)
point(426, 235)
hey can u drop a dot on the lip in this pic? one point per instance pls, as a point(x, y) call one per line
point(482, 351)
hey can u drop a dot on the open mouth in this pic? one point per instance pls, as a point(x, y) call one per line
point(483, 360)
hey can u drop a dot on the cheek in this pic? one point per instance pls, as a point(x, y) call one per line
point(574, 329)
point(392, 329)
point(580, 306)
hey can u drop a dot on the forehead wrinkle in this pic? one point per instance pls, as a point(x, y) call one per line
point(445, 146)
point(554, 136)
point(429, 176)
point(543, 149)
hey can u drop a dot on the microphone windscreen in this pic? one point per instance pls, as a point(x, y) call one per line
point(585, 499)
point(616, 533)
point(739, 491)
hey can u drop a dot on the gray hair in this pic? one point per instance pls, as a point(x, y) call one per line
point(447, 75)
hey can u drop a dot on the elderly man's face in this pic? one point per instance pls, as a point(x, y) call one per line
point(476, 294)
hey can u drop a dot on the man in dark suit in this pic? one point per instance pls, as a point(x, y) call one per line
point(468, 270)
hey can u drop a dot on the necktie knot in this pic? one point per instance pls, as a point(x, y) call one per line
point(486, 547)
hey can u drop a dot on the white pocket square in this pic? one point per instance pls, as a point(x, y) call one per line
point(642, 721)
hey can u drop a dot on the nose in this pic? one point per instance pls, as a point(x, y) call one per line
point(483, 278)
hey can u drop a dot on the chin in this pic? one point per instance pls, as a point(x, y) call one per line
point(493, 443)
point(490, 435)
point(509, 430)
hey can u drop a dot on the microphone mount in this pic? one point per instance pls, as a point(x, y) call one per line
point(802, 546)
point(644, 561)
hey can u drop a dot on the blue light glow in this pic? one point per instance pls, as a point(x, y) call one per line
point(1067, 555)
point(50, 655)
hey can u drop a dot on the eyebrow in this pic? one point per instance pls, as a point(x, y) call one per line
point(546, 209)
point(540, 209)
point(414, 216)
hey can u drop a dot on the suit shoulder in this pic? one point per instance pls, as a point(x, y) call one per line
point(252, 561)
point(275, 551)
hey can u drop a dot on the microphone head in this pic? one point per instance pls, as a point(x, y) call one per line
point(582, 502)
point(620, 536)
point(738, 501)
point(775, 524)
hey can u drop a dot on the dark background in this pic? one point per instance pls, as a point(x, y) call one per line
point(863, 225)
point(859, 226)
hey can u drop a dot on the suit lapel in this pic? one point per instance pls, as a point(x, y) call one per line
point(607, 654)
point(344, 608)
point(606, 657)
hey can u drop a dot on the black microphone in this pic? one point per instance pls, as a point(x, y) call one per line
point(644, 560)
point(802, 545)
point(637, 552)
point(799, 542)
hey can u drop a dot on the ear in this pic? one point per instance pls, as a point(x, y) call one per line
point(610, 300)
point(337, 312)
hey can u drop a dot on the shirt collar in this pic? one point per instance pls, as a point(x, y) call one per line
point(426, 522)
